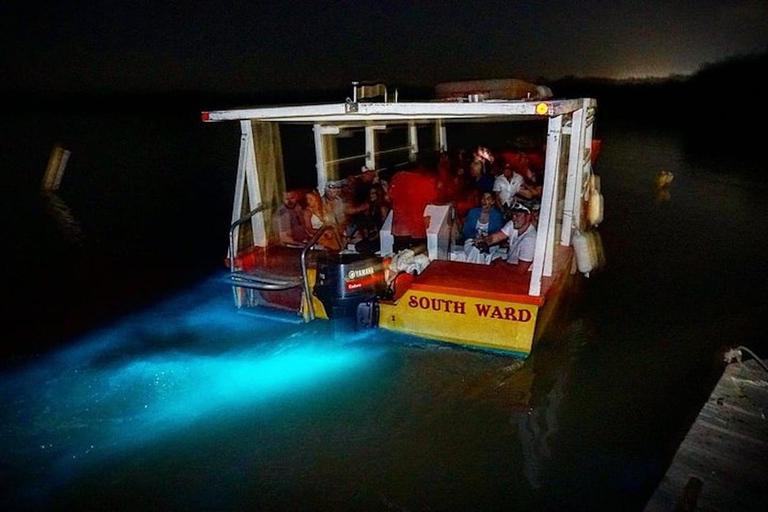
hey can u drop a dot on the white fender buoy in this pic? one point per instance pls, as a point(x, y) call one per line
point(581, 250)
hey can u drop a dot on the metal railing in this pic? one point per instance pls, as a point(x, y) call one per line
point(264, 282)
point(256, 281)
point(305, 278)
point(242, 220)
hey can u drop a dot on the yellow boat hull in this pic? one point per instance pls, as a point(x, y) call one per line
point(508, 326)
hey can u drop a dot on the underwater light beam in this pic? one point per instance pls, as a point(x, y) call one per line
point(186, 361)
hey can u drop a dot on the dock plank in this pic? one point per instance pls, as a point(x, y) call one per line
point(724, 456)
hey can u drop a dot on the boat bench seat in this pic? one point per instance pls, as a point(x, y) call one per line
point(277, 260)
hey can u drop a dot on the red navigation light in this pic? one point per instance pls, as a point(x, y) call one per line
point(206, 116)
point(542, 109)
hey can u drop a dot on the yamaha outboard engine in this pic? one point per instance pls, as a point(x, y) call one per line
point(344, 280)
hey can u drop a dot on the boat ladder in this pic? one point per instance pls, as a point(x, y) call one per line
point(262, 280)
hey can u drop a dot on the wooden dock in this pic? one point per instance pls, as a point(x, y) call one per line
point(722, 464)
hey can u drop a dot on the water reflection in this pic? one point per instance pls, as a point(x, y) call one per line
point(541, 385)
point(64, 218)
point(537, 424)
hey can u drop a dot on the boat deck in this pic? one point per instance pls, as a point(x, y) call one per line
point(721, 464)
point(498, 281)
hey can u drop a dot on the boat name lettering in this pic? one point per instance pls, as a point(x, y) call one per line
point(513, 314)
point(355, 274)
point(447, 305)
point(460, 307)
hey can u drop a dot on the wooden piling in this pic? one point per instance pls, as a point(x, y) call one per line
point(57, 164)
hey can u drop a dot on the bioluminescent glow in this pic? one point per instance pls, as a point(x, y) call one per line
point(164, 393)
point(188, 360)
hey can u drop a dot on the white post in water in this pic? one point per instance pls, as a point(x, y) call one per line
point(57, 164)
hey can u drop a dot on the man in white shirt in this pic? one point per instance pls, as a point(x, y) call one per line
point(521, 234)
point(506, 185)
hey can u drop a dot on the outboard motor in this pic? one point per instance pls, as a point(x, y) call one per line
point(344, 280)
point(368, 314)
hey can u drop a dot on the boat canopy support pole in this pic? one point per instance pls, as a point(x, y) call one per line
point(247, 184)
point(320, 156)
point(572, 208)
point(543, 256)
point(371, 145)
point(326, 154)
point(442, 136)
point(413, 141)
point(254, 192)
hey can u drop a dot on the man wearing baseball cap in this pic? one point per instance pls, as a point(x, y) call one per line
point(521, 234)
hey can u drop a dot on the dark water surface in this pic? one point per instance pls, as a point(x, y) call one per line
point(130, 383)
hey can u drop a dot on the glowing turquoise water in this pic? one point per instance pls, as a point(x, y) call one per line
point(153, 376)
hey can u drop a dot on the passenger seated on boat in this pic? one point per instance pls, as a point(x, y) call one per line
point(334, 204)
point(521, 234)
point(480, 221)
point(371, 223)
point(506, 185)
point(484, 156)
point(535, 209)
point(473, 187)
point(410, 191)
point(479, 180)
point(317, 214)
point(448, 179)
point(357, 205)
point(537, 160)
point(288, 222)
point(531, 186)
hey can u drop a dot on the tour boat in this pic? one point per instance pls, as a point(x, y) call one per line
point(487, 306)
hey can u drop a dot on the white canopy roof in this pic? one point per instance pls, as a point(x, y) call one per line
point(399, 111)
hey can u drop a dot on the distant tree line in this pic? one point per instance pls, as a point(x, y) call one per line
point(725, 90)
point(717, 108)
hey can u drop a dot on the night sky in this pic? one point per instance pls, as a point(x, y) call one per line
point(245, 46)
